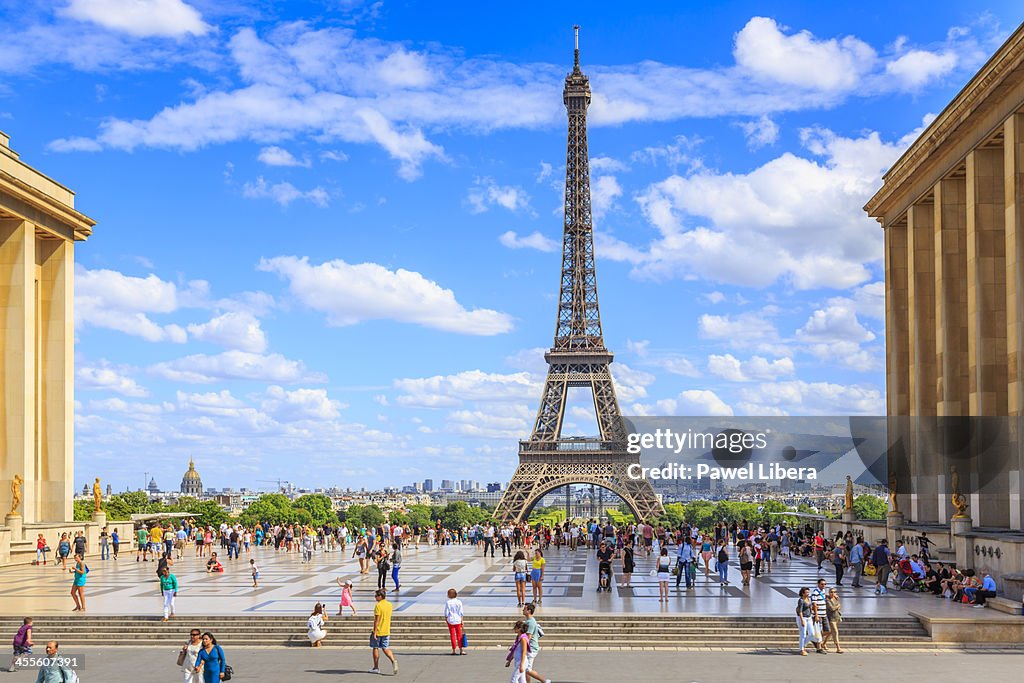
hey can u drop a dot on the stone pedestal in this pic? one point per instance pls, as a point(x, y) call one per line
point(849, 517)
point(960, 528)
point(100, 518)
point(893, 527)
point(14, 523)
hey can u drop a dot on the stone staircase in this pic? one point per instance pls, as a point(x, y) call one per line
point(408, 632)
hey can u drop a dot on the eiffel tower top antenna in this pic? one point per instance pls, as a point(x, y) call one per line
point(576, 55)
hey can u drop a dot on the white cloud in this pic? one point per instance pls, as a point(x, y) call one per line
point(349, 294)
point(630, 384)
point(690, 403)
point(164, 18)
point(486, 424)
point(918, 67)
point(605, 164)
point(869, 300)
point(745, 329)
point(242, 365)
point(118, 405)
point(545, 171)
point(278, 156)
point(485, 193)
point(801, 60)
point(410, 148)
point(334, 155)
point(730, 368)
point(301, 404)
point(679, 152)
point(470, 385)
point(115, 301)
point(793, 218)
point(812, 398)
point(284, 193)
point(604, 190)
point(760, 132)
point(714, 297)
point(233, 330)
point(836, 322)
point(106, 378)
point(534, 240)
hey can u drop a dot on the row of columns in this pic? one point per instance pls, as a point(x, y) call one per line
point(955, 291)
point(36, 371)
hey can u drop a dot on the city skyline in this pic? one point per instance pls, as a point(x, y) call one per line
point(352, 278)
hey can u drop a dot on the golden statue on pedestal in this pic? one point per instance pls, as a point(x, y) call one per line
point(97, 495)
point(958, 499)
point(849, 494)
point(892, 494)
point(16, 493)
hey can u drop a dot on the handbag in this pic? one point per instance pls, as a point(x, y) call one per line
point(181, 657)
point(464, 644)
point(228, 672)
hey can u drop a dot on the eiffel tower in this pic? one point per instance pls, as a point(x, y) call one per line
point(578, 358)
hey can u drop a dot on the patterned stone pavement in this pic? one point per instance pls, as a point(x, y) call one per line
point(289, 586)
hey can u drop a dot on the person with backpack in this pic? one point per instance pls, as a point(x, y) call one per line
point(722, 563)
point(22, 643)
point(880, 558)
point(211, 659)
point(78, 584)
point(839, 561)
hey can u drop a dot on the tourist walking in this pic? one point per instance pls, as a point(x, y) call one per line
point(746, 562)
point(662, 569)
point(396, 564)
point(520, 572)
point(722, 563)
point(453, 617)
point(537, 575)
point(535, 632)
point(360, 552)
point(63, 551)
point(255, 571)
point(839, 561)
point(78, 583)
point(880, 558)
point(383, 566)
point(142, 539)
point(805, 621)
point(834, 614)
point(22, 642)
point(628, 563)
point(519, 653)
point(821, 623)
point(684, 558)
point(169, 588)
point(51, 671)
point(380, 636)
point(315, 625)
point(104, 544)
point(210, 659)
point(188, 655)
point(115, 541)
point(346, 597)
point(41, 550)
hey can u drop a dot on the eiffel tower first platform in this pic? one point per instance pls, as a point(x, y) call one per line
point(578, 358)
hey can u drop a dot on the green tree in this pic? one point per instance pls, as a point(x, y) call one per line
point(674, 515)
point(319, 506)
point(421, 515)
point(373, 515)
point(270, 507)
point(455, 515)
point(83, 510)
point(122, 506)
point(399, 517)
point(209, 512)
point(870, 507)
point(700, 513)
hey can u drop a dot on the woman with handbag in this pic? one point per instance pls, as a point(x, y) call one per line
point(383, 567)
point(453, 617)
point(722, 563)
point(834, 612)
point(187, 657)
point(805, 620)
point(211, 659)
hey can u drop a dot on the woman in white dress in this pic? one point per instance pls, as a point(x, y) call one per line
point(315, 625)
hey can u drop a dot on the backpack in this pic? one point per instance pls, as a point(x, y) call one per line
point(68, 676)
point(723, 556)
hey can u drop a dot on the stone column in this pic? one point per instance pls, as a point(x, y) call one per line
point(922, 375)
point(1013, 194)
point(897, 342)
point(17, 364)
point(57, 371)
point(986, 326)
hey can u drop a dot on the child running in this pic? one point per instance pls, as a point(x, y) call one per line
point(346, 597)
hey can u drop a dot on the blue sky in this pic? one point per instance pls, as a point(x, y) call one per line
point(327, 240)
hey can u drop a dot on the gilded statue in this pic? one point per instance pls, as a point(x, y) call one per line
point(849, 494)
point(892, 494)
point(958, 499)
point(16, 493)
point(97, 494)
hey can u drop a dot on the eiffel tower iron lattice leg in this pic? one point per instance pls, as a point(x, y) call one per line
point(578, 358)
point(533, 480)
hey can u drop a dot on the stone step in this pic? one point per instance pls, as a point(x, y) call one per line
point(1005, 605)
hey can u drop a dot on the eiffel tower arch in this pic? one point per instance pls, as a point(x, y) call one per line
point(578, 357)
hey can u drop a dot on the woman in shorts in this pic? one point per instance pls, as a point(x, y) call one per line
point(746, 561)
point(520, 567)
point(537, 575)
point(706, 553)
point(663, 565)
point(360, 554)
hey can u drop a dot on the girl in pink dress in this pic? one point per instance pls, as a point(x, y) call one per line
point(346, 597)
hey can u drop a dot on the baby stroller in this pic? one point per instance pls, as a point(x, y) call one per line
point(604, 582)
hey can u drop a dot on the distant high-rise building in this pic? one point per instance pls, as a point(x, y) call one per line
point(494, 486)
point(447, 485)
point(110, 490)
point(428, 484)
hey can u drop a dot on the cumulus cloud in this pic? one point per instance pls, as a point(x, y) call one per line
point(106, 378)
point(353, 293)
point(278, 156)
point(234, 330)
point(115, 301)
point(485, 193)
point(241, 365)
point(760, 133)
point(141, 18)
point(604, 190)
point(733, 369)
point(442, 391)
point(690, 403)
point(918, 67)
point(798, 397)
